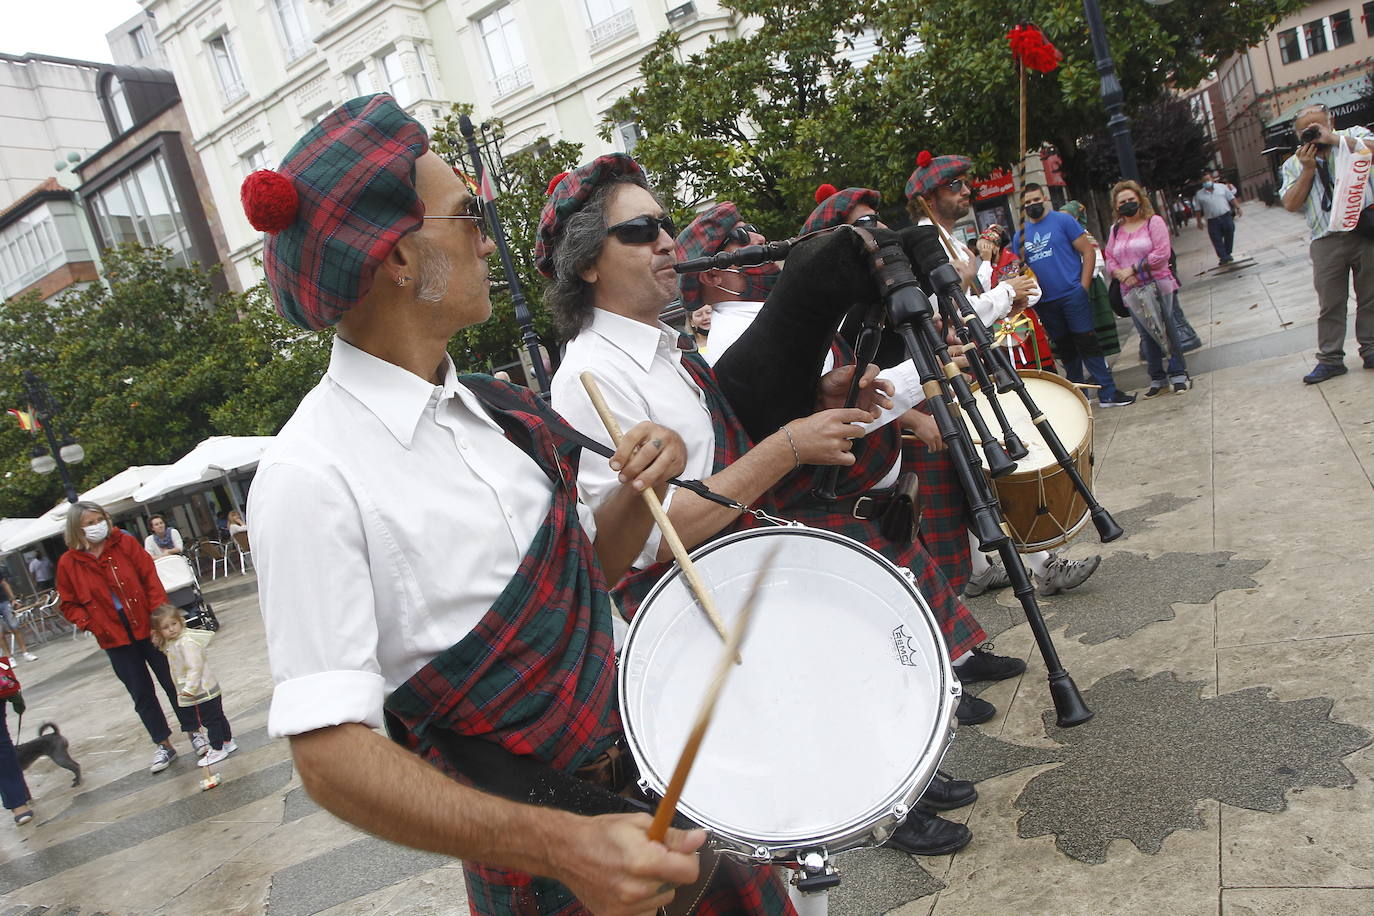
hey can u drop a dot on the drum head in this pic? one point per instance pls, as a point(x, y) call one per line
point(840, 710)
point(1062, 404)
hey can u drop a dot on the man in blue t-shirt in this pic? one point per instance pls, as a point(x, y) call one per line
point(1062, 255)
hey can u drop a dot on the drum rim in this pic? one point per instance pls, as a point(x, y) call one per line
point(840, 835)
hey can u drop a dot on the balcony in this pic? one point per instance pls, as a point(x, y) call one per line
point(512, 80)
point(608, 30)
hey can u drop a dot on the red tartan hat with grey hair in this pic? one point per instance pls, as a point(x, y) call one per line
point(833, 207)
point(336, 207)
point(569, 193)
point(933, 171)
point(704, 236)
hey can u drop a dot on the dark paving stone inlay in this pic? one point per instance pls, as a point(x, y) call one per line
point(878, 880)
point(139, 828)
point(1156, 749)
point(299, 804)
point(344, 874)
point(1131, 591)
point(976, 755)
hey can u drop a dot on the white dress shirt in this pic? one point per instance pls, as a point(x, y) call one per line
point(993, 304)
point(639, 370)
point(386, 518)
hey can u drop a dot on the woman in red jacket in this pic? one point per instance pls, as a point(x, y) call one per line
point(109, 587)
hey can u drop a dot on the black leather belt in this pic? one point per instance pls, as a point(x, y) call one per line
point(871, 505)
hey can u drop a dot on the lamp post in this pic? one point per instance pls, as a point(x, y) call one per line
point(1112, 96)
point(58, 455)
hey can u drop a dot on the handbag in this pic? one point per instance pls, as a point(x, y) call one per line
point(9, 681)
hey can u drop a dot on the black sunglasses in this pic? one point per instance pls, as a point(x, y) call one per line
point(739, 235)
point(956, 185)
point(867, 220)
point(643, 230)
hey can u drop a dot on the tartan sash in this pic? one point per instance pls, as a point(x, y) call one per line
point(537, 673)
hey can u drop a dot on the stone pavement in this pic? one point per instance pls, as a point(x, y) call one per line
point(1224, 646)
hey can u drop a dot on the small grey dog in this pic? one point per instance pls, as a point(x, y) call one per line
point(49, 744)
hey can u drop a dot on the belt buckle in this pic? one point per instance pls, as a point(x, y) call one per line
point(862, 500)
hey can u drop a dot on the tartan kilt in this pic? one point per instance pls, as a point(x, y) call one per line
point(961, 630)
point(1104, 319)
point(944, 527)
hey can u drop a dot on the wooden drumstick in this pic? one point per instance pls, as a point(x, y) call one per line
point(668, 806)
point(689, 570)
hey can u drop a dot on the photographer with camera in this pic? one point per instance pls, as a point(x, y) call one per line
point(1309, 182)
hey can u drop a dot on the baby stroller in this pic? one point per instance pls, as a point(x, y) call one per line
point(183, 589)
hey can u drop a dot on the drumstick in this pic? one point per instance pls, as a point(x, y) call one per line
point(694, 581)
point(668, 806)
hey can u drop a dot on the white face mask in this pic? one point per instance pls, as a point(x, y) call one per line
point(97, 532)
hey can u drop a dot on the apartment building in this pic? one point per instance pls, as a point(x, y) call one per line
point(1324, 53)
point(255, 74)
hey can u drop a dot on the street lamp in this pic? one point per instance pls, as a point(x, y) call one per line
point(1112, 96)
point(58, 455)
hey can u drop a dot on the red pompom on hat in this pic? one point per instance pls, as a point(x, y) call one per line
point(824, 191)
point(923, 158)
point(553, 183)
point(269, 200)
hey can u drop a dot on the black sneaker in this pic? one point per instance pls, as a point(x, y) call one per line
point(925, 834)
point(1155, 390)
point(974, 710)
point(1181, 387)
point(984, 666)
point(1369, 361)
point(1120, 399)
point(945, 793)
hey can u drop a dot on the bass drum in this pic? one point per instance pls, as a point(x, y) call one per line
point(1042, 507)
point(836, 719)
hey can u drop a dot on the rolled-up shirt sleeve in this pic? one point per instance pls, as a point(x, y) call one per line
point(316, 594)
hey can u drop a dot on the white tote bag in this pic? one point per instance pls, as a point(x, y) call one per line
point(1351, 172)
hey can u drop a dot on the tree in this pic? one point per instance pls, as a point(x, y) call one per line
point(763, 119)
point(144, 370)
point(1171, 147)
point(521, 199)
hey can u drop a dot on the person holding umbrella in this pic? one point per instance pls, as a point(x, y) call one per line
point(1137, 255)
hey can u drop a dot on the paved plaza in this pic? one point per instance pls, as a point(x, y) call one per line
point(1225, 646)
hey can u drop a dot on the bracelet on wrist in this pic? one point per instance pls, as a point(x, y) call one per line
point(796, 455)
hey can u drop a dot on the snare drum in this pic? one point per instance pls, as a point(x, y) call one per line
point(836, 720)
point(1041, 505)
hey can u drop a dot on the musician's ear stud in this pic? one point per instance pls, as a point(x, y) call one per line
point(402, 281)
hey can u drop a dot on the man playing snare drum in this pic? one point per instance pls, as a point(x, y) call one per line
point(422, 551)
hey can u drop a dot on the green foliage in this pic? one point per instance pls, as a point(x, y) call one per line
point(763, 119)
point(1171, 147)
point(143, 371)
point(522, 194)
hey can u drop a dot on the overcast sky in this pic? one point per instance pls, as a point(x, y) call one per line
point(62, 28)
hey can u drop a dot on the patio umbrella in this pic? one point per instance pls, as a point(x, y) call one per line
point(115, 496)
point(211, 460)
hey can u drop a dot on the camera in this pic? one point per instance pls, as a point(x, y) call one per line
point(1310, 133)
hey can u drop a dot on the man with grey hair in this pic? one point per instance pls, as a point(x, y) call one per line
point(1309, 186)
point(1215, 202)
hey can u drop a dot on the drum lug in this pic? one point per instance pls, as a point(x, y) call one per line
point(818, 875)
point(763, 854)
point(907, 574)
point(644, 788)
point(900, 811)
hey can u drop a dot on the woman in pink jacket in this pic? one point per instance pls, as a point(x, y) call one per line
point(1137, 252)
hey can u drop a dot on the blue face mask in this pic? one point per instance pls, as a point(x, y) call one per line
point(1208, 185)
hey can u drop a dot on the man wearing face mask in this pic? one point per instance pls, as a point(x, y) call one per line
point(109, 588)
point(733, 295)
point(1215, 203)
point(1308, 185)
point(1062, 255)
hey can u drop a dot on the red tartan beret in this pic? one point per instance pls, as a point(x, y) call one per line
point(703, 237)
point(568, 194)
point(931, 172)
point(354, 179)
point(835, 209)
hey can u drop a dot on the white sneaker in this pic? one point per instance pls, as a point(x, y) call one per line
point(1061, 574)
point(215, 756)
point(29, 657)
point(200, 744)
point(993, 577)
point(162, 758)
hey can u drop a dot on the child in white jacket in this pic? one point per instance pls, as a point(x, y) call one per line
point(196, 686)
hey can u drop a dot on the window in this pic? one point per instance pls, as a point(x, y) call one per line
point(608, 20)
point(1290, 49)
point(29, 249)
point(119, 106)
point(360, 81)
point(227, 68)
point(1342, 33)
point(407, 88)
point(139, 39)
point(294, 32)
point(505, 54)
point(628, 133)
point(255, 159)
point(1315, 33)
point(1368, 18)
point(141, 207)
